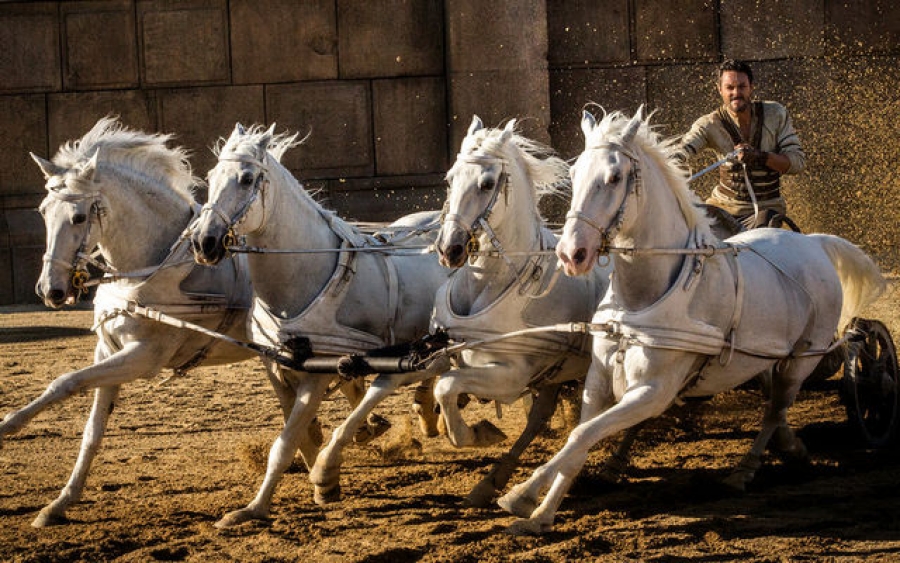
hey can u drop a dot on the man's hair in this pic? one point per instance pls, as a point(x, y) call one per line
point(735, 66)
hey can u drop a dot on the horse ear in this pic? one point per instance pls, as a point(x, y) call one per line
point(588, 122)
point(88, 171)
point(238, 131)
point(265, 139)
point(508, 131)
point(475, 126)
point(632, 128)
point(48, 168)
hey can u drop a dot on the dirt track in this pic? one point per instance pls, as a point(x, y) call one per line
point(176, 459)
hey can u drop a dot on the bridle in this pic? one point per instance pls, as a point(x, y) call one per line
point(480, 223)
point(257, 192)
point(77, 267)
point(632, 187)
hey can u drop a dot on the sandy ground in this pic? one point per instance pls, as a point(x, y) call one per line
point(179, 454)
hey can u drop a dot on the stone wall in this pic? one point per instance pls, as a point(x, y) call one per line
point(387, 88)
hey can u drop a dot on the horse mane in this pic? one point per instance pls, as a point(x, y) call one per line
point(548, 172)
point(664, 153)
point(277, 145)
point(145, 153)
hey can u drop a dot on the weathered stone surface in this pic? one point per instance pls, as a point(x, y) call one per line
point(390, 38)
point(183, 41)
point(680, 94)
point(675, 30)
point(863, 27)
point(26, 243)
point(283, 40)
point(337, 115)
point(72, 115)
point(410, 125)
point(389, 200)
point(505, 35)
point(24, 126)
point(199, 116)
point(498, 96)
point(29, 59)
point(99, 45)
point(572, 91)
point(772, 30)
point(587, 33)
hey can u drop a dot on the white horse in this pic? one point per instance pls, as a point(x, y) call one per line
point(685, 314)
point(127, 194)
point(495, 187)
point(347, 294)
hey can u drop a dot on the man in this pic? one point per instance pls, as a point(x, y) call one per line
point(765, 142)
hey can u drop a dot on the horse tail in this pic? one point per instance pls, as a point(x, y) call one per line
point(861, 279)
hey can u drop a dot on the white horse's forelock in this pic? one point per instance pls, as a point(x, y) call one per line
point(664, 152)
point(548, 172)
point(278, 145)
point(146, 153)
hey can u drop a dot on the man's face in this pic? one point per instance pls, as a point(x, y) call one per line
point(735, 89)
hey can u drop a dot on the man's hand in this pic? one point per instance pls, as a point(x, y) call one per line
point(751, 156)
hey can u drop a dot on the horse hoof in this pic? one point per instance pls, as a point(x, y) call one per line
point(428, 421)
point(517, 504)
point(237, 517)
point(737, 481)
point(47, 517)
point(527, 527)
point(482, 495)
point(486, 434)
point(323, 496)
point(374, 427)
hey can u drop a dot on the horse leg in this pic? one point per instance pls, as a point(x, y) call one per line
point(639, 403)
point(326, 472)
point(375, 425)
point(785, 386)
point(497, 478)
point(55, 512)
point(424, 408)
point(116, 369)
point(481, 382)
point(310, 391)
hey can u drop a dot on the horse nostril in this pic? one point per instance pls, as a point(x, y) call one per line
point(56, 295)
point(209, 245)
point(455, 252)
point(580, 255)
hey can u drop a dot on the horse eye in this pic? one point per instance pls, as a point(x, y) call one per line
point(79, 218)
point(246, 178)
point(615, 179)
point(486, 185)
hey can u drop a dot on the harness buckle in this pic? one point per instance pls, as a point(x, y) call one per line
point(79, 279)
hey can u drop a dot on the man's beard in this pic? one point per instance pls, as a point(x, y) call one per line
point(738, 105)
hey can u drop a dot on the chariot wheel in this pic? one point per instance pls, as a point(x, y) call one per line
point(870, 386)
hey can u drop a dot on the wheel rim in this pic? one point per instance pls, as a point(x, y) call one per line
point(871, 384)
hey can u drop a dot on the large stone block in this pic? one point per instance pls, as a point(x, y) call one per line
point(183, 42)
point(504, 35)
point(24, 125)
point(390, 199)
point(337, 116)
point(390, 38)
point(871, 27)
point(675, 30)
point(283, 40)
point(410, 125)
point(587, 33)
point(498, 96)
point(200, 116)
point(680, 94)
point(7, 295)
point(73, 115)
point(99, 45)
point(772, 30)
point(26, 243)
point(29, 59)
point(572, 91)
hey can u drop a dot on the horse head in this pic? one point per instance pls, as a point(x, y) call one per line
point(604, 179)
point(71, 210)
point(237, 186)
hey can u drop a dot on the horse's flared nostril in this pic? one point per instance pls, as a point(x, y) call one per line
point(56, 296)
point(579, 256)
point(209, 246)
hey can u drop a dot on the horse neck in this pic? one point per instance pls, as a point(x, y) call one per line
point(144, 220)
point(659, 223)
point(287, 283)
